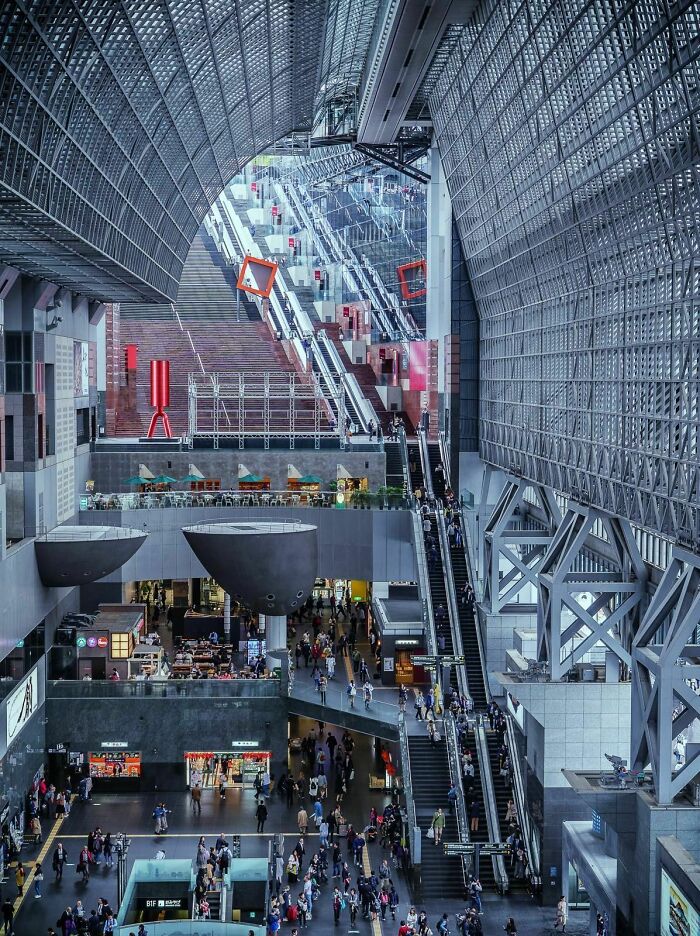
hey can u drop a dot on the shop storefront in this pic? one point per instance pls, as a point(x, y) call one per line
point(239, 767)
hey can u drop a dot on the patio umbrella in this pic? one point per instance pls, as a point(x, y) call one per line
point(137, 479)
point(251, 479)
point(191, 477)
point(164, 479)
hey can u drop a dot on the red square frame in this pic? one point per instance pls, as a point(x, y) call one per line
point(402, 270)
point(269, 265)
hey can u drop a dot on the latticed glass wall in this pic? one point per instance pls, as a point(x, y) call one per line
point(569, 135)
point(122, 122)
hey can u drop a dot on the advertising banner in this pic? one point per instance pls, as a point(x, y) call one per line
point(21, 705)
point(678, 916)
point(418, 365)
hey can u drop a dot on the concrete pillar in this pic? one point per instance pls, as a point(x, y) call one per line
point(227, 616)
point(439, 257)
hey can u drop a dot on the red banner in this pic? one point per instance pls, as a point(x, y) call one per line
point(275, 211)
point(317, 274)
point(418, 365)
point(290, 241)
point(253, 186)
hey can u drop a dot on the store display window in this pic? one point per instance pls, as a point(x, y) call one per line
point(115, 765)
point(240, 768)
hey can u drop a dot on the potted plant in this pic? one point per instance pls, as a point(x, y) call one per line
point(382, 493)
point(396, 496)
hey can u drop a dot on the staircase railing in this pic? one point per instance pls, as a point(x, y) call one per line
point(492, 819)
point(454, 760)
point(364, 408)
point(527, 827)
point(403, 447)
point(424, 585)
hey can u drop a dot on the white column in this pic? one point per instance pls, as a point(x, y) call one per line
point(276, 631)
point(439, 259)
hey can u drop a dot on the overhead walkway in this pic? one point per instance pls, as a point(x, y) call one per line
point(379, 720)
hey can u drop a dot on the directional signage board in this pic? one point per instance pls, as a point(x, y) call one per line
point(469, 848)
point(431, 660)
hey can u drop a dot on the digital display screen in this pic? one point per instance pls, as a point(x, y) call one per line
point(115, 765)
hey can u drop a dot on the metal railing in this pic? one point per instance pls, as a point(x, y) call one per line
point(489, 794)
point(218, 499)
point(240, 687)
point(529, 832)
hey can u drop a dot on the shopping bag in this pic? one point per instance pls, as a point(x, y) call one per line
point(430, 833)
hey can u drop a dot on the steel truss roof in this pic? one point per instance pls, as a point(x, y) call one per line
point(570, 140)
point(122, 120)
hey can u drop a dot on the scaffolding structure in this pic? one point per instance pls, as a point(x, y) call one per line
point(267, 406)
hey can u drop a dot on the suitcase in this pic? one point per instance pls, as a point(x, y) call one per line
point(292, 913)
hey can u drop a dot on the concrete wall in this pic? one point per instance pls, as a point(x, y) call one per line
point(360, 544)
point(111, 468)
point(500, 639)
point(192, 725)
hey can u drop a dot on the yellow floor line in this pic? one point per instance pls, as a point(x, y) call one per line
point(367, 868)
point(40, 858)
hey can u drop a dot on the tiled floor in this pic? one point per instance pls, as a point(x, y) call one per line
point(131, 813)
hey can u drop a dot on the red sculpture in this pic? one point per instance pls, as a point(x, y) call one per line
point(412, 277)
point(160, 397)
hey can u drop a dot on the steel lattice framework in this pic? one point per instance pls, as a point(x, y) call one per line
point(122, 120)
point(570, 140)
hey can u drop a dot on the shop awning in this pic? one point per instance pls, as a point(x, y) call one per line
point(293, 473)
point(194, 471)
point(145, 472)
point(242, 470)
point(251, 479)
point(310, 479)
point(164, 479)
point(343, 472)
point(137, 479)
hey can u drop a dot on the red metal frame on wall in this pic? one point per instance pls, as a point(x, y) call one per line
point(263, 273)
point(401, 271)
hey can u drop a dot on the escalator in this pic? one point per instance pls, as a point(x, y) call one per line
point(503, 793)
point(486, 874)
point(438, 593)
point(330, 363)
point(394, 464)
point(435, 459)
point(415, 469)
point(430, 776)
point(468, 625)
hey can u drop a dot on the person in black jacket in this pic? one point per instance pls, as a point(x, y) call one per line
point(261, 816)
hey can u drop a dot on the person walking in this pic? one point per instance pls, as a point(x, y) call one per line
point(302, 820)
point(562, 916)
point(8, 916)
point(367, 694)
point(38, 879)
point(353, 904)
point(196, 799)
point(59, 859)
point(19, 878)
point(322, 688)
point(438, 825)
point(352, 692)
point(261, 816)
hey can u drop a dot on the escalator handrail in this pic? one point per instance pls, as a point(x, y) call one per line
point(487, 789)
point(452, 606)
point(455, 764)
point(411, 820)
point(530, 836)
point(424, 585)
point(425, 464)
point(403, 446)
